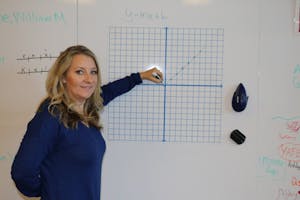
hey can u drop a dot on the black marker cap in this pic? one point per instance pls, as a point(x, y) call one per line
point(237, 136)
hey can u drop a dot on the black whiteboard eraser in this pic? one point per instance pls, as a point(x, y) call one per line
point(237, 136)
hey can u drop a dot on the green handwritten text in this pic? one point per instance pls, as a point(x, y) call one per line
point(296, 76)
point(5, 156)
point(2, 60)
point(32, 17)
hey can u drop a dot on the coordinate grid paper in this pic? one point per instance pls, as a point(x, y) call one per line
point(187, 106)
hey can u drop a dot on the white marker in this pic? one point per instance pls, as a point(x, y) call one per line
point(156, 75)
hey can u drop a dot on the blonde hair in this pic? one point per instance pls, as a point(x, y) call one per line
point(60, 103)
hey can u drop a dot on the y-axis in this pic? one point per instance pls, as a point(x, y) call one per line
point(165, 84)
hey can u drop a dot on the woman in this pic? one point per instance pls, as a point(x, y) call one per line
point(61, 154)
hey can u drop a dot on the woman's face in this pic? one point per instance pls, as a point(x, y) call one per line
point(81, 78)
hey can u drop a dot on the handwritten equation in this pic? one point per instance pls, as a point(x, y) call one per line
point(134, 15)
point(289, 152)
point(289, 137)
point(44, 55)
point(287, 194)
point(35, 63)
point(290, 193)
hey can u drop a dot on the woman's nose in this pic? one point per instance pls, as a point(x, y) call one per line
point(88, 77)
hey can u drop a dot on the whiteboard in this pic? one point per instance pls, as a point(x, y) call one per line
point(259, 48)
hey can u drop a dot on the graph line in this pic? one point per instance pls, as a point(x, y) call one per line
point(165, 84)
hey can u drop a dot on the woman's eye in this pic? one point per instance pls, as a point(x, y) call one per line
point(94, 72)
point(79, 72)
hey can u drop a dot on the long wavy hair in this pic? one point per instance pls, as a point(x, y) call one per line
point(60, 104)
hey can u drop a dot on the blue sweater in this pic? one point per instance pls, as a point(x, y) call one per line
point(59, 163)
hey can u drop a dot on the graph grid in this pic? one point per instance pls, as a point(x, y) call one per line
point(187, 106)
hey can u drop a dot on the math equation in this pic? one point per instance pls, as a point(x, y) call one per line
point(35, 63)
